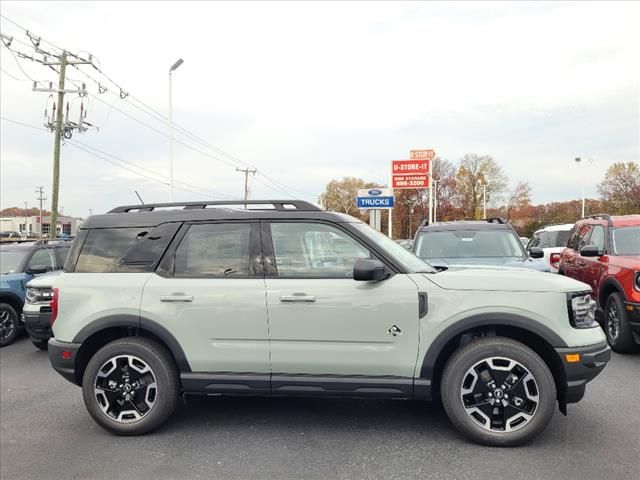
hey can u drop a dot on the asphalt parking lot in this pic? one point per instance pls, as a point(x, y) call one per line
point(45, 433)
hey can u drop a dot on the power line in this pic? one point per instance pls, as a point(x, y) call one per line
point(102, 155)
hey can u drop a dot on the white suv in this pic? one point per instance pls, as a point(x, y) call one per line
point(552, 240)
point(287, 299)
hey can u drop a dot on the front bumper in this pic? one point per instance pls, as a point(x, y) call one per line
point(586, 363)
point(633, 312)
point(37, 324)
point(62, 356)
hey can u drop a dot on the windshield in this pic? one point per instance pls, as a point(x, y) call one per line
point(10, 260)
point(626, 241)
point(468, 244)
point(412, 263)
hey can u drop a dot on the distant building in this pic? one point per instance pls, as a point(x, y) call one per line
point(34, 226)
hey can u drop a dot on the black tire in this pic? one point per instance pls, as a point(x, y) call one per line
point(9, 324)
point(457, 373)
point(164, 373)
point(615, 323)
point(41, 344)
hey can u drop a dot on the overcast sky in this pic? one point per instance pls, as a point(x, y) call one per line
point(308, 92)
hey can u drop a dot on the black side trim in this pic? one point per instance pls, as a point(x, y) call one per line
point(133, 321)
point(66, 366)
point(230, 383)
point(593, 359)
point(298, 385)
point(338, 385)
point(488, 319)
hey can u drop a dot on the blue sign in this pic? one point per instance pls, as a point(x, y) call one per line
point(375, 202)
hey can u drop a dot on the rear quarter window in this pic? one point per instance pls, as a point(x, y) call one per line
point(103, 249)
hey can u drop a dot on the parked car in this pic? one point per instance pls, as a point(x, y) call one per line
point(491, 242)
point(552, 240)
point(9, 235)
point(155, 303)
point(19, 263)
point(604, 252)
point(405, 243)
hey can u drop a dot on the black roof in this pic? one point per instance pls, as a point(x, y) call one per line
point(150, 215)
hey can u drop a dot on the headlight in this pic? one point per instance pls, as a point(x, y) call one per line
point(636, 282)
point(39, 295)
point(582, 310)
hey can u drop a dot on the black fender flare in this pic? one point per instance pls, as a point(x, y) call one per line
point(134, 321)
point(607, 283)
point(485, 320)
point(12, 298)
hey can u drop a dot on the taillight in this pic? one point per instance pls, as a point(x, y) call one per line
point(554, 260)
point(54, 306)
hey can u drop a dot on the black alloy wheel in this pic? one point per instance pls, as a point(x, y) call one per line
point(9, 324)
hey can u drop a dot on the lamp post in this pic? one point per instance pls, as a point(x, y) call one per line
point(435, 201)
point(173, 68)
point(579, 164)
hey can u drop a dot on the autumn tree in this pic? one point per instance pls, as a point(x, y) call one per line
point(340, 195)
point(446, 194)
point(474, 171)
point(620, 189)
point(519, 199)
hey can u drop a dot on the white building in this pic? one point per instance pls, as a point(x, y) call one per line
point(33, 225)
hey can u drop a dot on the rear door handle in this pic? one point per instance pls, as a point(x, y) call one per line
point(176, 297)
point(298, 297)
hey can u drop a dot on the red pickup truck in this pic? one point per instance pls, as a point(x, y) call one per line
point(604, 252)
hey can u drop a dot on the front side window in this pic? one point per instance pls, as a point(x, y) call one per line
point(104, 248)
point(10, 259)
point(597, 237)
point(585, 231)
point(217, 250)
point(43, 258)
point(468, 244)
point(626, 241)
point(314, 250)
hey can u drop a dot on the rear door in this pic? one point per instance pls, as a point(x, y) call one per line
point(209, 293)
point(327, 328)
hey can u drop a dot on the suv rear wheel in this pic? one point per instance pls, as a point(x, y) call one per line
point(131, 386)
point(9, 324)
point(616, 325)
point(498, 391)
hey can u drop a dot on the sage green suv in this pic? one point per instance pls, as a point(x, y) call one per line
point(282, 298)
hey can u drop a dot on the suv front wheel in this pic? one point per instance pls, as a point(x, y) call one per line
point(616, 325)
point(131, 386)
point(498, 391)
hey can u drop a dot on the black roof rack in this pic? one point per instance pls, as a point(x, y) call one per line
point(499, 220)
point(276, 204)
point(603, 216)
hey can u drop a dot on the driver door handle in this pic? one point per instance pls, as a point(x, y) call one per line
point(176, 297)
point(298, 298)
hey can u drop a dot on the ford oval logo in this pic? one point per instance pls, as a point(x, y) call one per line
point(375, 191)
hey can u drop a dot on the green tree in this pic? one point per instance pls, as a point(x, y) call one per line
point(474, 171)
point(620, 189)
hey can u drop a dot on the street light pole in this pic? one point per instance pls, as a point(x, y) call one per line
point(435, 201)
point(579, 163)
point(171, 70)
point(484, 200)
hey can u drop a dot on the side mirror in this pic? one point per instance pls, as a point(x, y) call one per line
point(590, 251)
point(369, 270)
point(37, 269)
point(536, 252)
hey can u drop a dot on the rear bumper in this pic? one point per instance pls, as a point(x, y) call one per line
point(592, 360)
point(62, 356)
point(38, 325)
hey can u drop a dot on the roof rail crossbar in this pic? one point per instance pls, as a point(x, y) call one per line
point(603, 216)
point(499, 220)
point(276, 204)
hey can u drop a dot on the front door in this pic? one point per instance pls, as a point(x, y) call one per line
point(326, 327)
point(212, 300)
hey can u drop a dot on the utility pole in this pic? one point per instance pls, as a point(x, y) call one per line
point(435, 201)
point(40, 198)
point(484, 200)
point(246, 172)
point(62, 62)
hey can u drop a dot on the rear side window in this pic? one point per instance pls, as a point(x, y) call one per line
point(217, 250)
point(559, 238)
point(103, 249)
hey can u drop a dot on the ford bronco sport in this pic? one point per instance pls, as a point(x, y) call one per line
point(604, 252)
point(282, 298)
